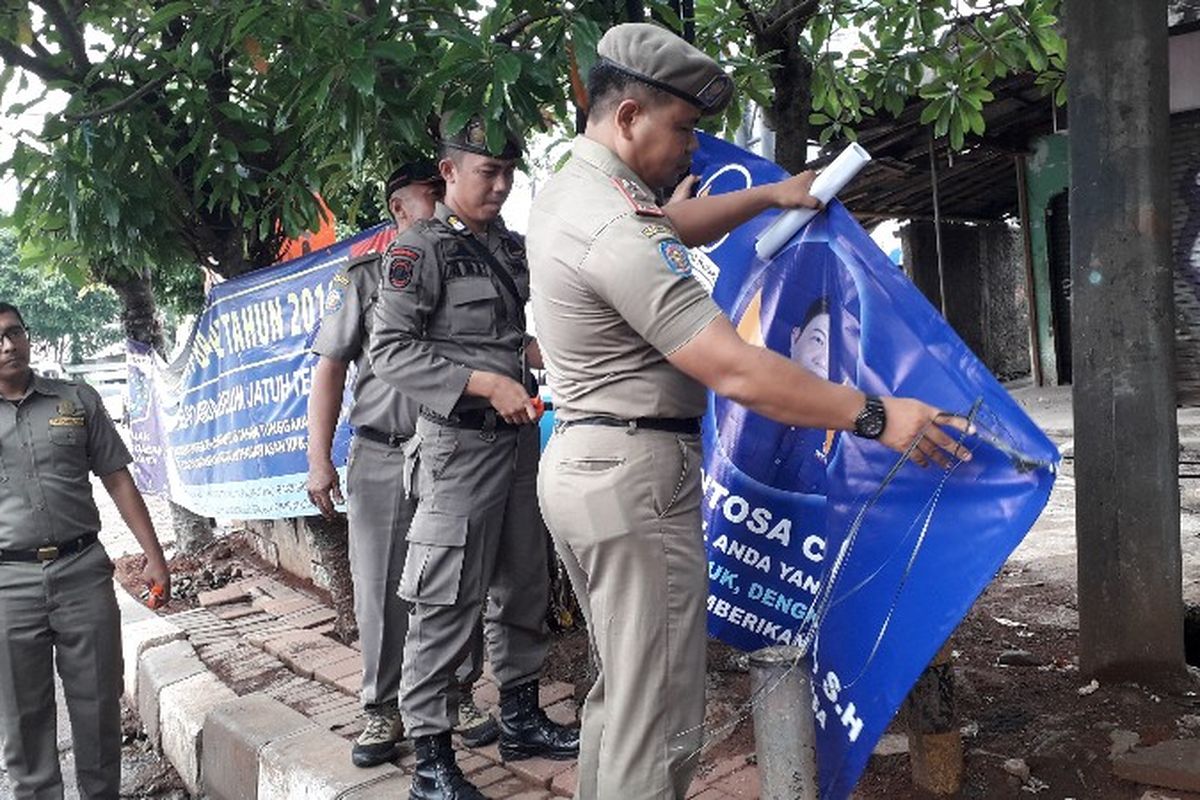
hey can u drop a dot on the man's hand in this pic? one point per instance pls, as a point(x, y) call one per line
point(508, 397)
point(908, 420)
point(157, 574)
point(324, 487)
point(683, 190)
point(795, 192)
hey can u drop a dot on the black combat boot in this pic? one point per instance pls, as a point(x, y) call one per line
point(526, 731)
point(437, 776)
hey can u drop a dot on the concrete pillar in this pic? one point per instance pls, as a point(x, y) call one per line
point(1126, 440)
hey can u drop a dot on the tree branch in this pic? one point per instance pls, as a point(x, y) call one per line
point(520, 23)
point(804, 9)
point(751, 17)
point(121, 104)
point(17, 57)
point(72, 37)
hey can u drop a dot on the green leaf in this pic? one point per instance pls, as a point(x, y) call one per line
point(508, 68)
point(362, 77)
point(168, 13)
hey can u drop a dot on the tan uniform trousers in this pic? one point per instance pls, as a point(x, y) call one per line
point(380, 512)
point(624, 509)
point(475, 538)
point(61, 614)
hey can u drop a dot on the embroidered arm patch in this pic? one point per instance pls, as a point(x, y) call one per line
point(401, 261)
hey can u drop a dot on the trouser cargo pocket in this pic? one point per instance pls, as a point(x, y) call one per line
point(436, 547)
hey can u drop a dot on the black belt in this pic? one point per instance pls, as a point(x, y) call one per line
point(480, 419)
point(668, 424)
point(383, 437)
point(51, 551)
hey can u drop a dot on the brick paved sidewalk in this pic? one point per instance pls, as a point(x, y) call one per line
point(259, 635)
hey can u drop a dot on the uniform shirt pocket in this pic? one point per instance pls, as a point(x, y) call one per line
point(473, 305)
point(68, 449)
point(434, 565)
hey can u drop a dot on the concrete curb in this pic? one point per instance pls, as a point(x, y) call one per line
point(228, 747)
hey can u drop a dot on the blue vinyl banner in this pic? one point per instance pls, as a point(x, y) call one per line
point(815, 537)
point(223, 428)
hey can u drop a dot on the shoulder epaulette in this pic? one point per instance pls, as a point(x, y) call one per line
point(638, 198)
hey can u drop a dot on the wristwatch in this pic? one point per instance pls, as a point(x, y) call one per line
point(871, 421)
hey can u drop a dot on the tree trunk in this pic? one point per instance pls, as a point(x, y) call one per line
point(791, 77)
point(139, 318)
point(332, 540)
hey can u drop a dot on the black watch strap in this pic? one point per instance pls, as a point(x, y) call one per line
point(871, 421)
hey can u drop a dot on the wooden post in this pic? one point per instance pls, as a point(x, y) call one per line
point(935, 750)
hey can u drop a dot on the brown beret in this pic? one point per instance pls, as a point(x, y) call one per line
point(421, 171)
point(661, 59)
point(473, 139)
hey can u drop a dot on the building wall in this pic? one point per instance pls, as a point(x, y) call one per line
point(985, 288)
point(1185, 249)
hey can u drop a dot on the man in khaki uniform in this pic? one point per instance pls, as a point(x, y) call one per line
point(450, 333)
point(380, 508)
point(56, 591)
point(630, 340)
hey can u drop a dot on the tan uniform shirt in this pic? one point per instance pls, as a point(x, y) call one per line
point(343, 336)
point(612, 293)
point(48, 443)
point(442, 313)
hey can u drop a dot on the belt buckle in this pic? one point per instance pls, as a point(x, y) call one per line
point(394, 440)
point(48, 553)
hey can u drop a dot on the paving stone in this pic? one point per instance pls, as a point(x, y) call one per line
point(183, 707)
point(233, 593)
point(234, 733)
point(336, 719)
point(493, 774)
point(305, 651)
point(470, 763)
point(539, 771)
point(532, 794)
point(710, 772)
point(392, 787)
point(282, 606)
point(1173, 764)
point(510, 787)
point(327, 629)
point(333, 671)
point(330, 701)
point(310, 618)
point(709, 794)
point(551, 693)
point(158, 668)
point(235, 612)
point(350, 684)
point(486, 694)
point(563, 712)
point(741, 784)
point(564, 782)
point(305, 766)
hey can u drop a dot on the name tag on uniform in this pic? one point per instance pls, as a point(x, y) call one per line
point(66, 422)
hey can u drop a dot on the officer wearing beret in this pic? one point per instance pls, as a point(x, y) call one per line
point(379, 508)
point(57, 603)
point(630, 341)
point(450, 333)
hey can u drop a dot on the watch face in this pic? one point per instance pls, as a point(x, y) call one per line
point(871, 420)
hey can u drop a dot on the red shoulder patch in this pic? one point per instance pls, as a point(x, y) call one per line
point(401, 261)
point(642, 203)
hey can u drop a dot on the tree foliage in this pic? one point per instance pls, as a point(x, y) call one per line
point(67, 323)
point(200, 133)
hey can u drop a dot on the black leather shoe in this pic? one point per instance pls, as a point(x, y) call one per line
point(437, 776)
point(526, 731)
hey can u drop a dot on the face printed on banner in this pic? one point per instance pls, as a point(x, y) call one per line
point(810, 345)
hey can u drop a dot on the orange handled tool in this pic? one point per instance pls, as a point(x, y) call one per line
point(156, 598)
point(539, 406)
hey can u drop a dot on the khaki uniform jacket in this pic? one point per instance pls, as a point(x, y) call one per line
point(442, 313)
point(48, 443)
point(343, 335)
point(613, 293)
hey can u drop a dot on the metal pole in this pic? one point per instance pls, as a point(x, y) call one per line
point(934, 744)
point(937, 225)
point(781, 685)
